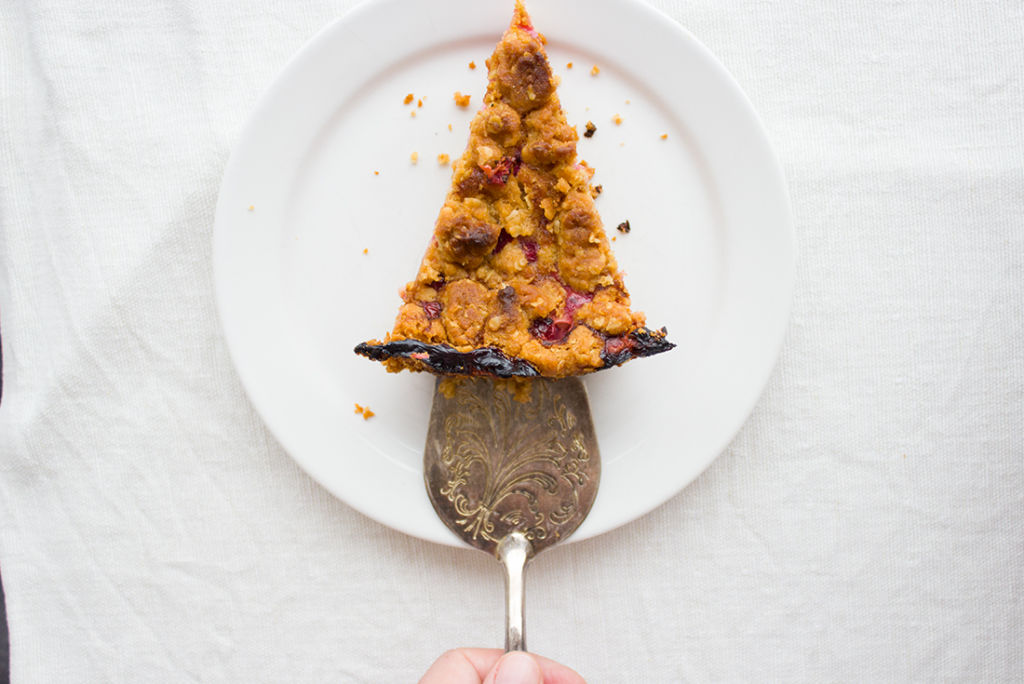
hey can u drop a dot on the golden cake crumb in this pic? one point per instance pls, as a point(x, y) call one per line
point(408, 99)
point(365, 412)
point(376, 173)
point(413, 113)
point(449, 127)
point(664, 136)
point(519, 388)
point(472, 65)
point(251, 207)
point(414, 157)
point(443, 159)
point(595, 70)
point(569, 65)
point(461, 100)
point(590, 130)
point(366, 250)
point(448, 385)
point(617, 119)
point(419, 102)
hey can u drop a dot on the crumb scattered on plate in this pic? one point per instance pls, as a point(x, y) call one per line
point(623, 227)
point(414, 157)
point(595, 70)
point(664, 136)
point(591, 129)
point(617, 119)
point(408, 99)
point(443, 159)
point(461, 100)
point(569, 65)
point(366, 250)
point(251, 207)
point(365, 412)
point(472, 65)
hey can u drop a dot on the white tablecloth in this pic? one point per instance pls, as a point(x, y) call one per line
point(866, 525)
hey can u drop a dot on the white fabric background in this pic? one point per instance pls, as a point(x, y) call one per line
point(866, 525)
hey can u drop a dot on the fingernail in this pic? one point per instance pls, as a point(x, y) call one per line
point(517, 668)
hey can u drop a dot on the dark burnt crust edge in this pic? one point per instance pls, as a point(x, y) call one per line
point(446, 360)
point(643, 342)
point(490, 361)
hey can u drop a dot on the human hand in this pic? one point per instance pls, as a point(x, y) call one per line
point(492, 666)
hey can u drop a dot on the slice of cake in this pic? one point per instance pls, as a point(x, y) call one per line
point(519, 279)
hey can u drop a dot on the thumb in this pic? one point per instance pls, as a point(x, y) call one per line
point(516, 667)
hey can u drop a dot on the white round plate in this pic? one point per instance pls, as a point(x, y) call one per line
point(322, 217)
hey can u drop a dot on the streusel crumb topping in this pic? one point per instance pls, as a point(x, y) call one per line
point(519, 278)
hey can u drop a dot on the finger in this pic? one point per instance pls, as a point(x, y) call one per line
point(516, 667)
point(462, 666)
point(551, 671)
point(556, 673)
point(451, 668)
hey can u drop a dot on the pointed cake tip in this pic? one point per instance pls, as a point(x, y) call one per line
point(521, 18)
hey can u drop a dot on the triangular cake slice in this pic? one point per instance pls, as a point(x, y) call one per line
point(519, 278)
